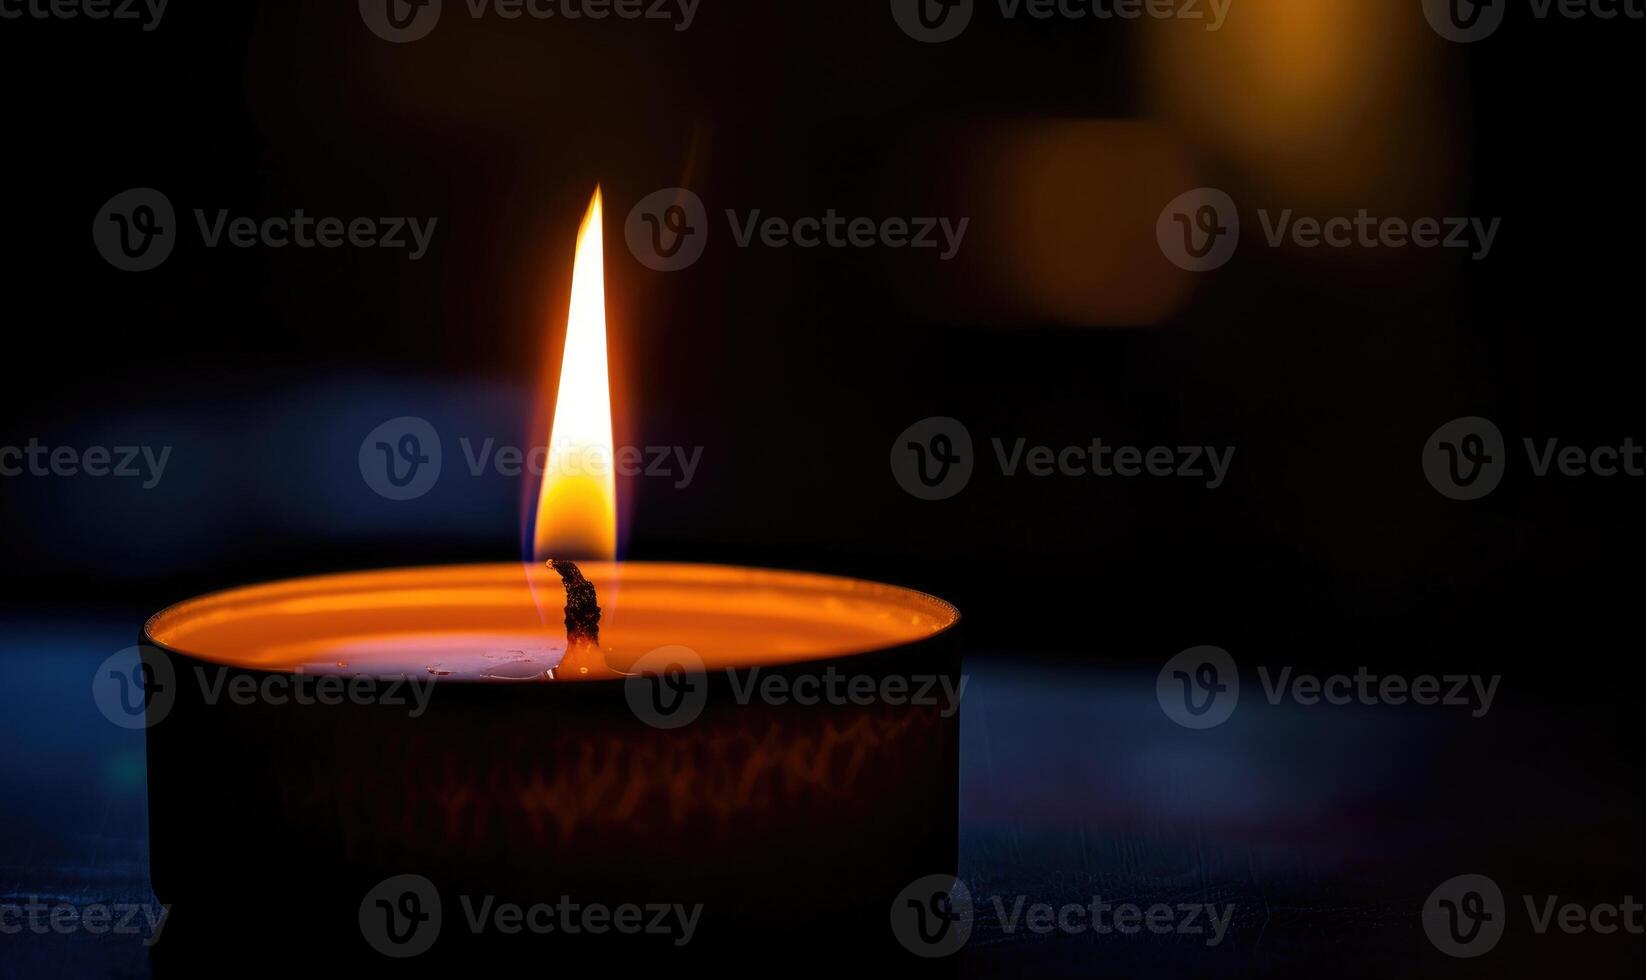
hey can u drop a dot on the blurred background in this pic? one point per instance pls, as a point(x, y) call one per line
point(1058, 320)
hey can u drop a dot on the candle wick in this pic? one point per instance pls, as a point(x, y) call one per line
point(582, 605)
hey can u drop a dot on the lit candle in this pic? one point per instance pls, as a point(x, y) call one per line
point(541, 766)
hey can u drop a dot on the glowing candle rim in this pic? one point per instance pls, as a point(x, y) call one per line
point(482, 589)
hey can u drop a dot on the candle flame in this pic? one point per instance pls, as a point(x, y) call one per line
point(577, 504)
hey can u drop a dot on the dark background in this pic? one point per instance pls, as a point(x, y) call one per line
point(795, 370)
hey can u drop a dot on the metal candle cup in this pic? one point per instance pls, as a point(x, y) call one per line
point(790, 778)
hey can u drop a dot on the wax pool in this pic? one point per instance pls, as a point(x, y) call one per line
point(504, 622)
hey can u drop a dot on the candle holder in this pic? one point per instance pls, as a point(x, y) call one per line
point(756, 743)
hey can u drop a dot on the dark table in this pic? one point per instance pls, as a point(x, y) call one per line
point(1318, 831)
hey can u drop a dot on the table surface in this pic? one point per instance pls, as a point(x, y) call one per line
point(1324, 827)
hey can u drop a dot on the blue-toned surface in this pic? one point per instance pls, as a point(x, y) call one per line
point(74, 827)
point(1320, 829)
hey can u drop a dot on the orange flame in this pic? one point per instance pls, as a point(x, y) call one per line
point(577, 505)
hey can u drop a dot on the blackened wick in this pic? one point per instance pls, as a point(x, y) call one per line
point(582, 605)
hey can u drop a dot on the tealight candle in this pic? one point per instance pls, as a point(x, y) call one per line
point(773, 746)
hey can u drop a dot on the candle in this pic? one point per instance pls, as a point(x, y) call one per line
point(775, 748)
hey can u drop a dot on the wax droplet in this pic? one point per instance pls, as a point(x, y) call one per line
point(515, 670)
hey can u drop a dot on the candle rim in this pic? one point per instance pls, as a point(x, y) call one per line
point(161, 628)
